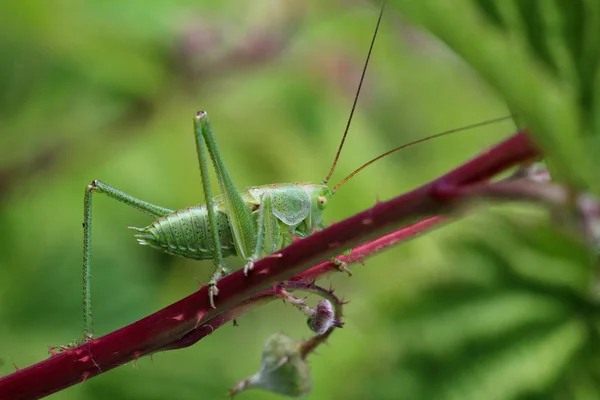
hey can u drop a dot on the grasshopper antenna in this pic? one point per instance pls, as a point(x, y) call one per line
point(387, 153)
point(362, 77)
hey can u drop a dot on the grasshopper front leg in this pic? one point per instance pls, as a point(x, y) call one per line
point(268, 232)
point(239, 215)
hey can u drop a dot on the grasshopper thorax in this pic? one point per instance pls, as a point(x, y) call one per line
point(298, 205)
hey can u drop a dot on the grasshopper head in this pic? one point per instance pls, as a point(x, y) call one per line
point(319, 196)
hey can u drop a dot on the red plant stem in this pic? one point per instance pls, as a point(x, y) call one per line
point(359, 253)
point(363, 251)
point(169, 325)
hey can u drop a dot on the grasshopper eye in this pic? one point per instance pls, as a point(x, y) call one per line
point(321, 202)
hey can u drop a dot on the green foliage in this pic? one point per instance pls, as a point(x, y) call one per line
point(543, 57)
point(490, 307)
point(508, 325)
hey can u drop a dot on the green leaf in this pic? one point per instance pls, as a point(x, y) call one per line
point(529, 366)
point(541, 58)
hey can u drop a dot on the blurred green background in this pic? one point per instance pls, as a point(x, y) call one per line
point(107, 90)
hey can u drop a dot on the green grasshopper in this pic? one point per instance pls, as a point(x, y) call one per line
point(249, 223)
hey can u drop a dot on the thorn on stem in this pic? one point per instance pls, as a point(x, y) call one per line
point(137, 355)
point(199, 317)
point(84, 359)
point(178, 317)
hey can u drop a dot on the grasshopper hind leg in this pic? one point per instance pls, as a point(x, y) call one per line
point(100, 187)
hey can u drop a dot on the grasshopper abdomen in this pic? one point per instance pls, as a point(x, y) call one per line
point(186, 233)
